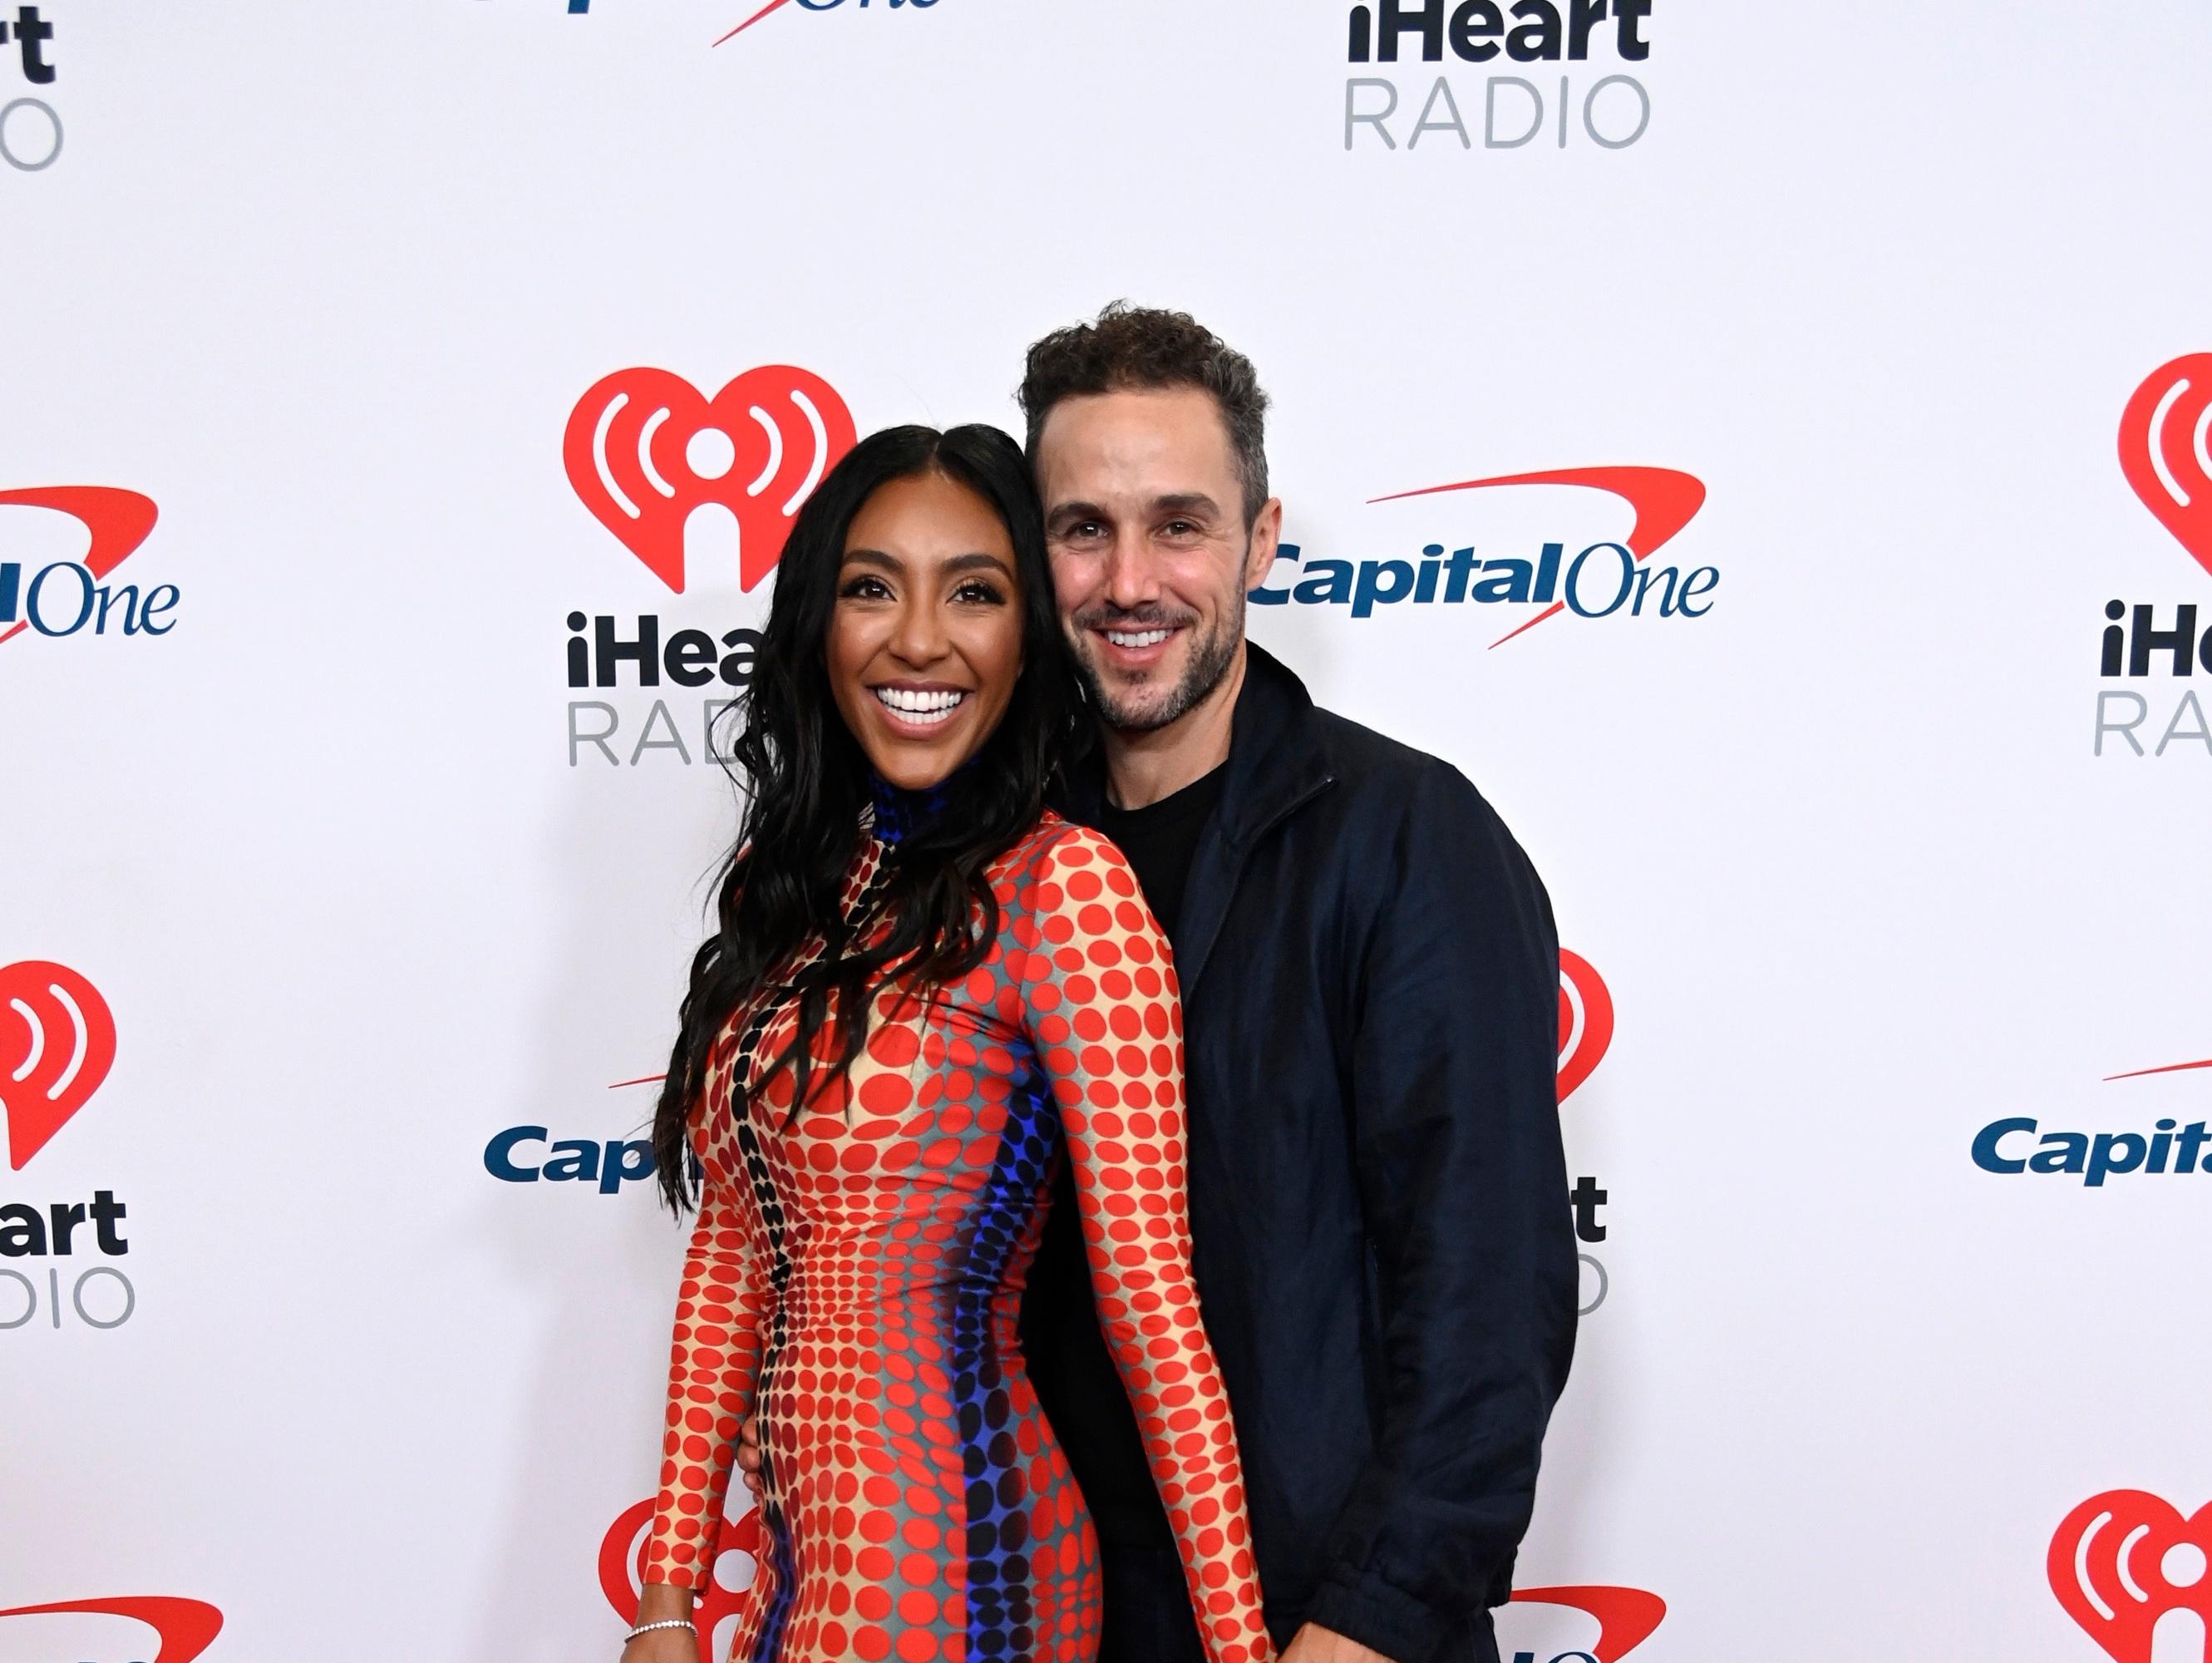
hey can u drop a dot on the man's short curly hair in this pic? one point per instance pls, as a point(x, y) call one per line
point(1136, 347)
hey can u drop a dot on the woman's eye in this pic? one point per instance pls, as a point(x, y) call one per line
point(979, 593)
point(865, 588)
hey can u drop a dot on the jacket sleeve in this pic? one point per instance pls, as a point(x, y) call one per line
point(1104, 1014)
point(714, 1356)
point(1462, 1183)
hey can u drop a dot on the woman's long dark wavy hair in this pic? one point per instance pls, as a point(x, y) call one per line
point(807, 783)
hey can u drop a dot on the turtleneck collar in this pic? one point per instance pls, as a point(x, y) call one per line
point(900, 813)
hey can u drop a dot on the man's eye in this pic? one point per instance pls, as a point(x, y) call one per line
point(1084, 529)
point(1181, 528)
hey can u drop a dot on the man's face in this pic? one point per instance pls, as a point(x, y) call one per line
point(1150, 558)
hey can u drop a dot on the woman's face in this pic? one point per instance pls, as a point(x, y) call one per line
point(925, 639)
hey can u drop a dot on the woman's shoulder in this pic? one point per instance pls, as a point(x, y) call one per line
point(1053, 847)
point(1060, 868)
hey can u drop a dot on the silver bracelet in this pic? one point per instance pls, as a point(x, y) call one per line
point(667, 1622)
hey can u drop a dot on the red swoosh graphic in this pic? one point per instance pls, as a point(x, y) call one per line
point(1665, 500)
point(1627, 1617)
point(772, 5)
point(120, 521)
point(2170, 1068)
point(186, 1627)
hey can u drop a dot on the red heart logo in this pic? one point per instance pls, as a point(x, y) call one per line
point(2122, 1560)
point(644, 453)
point(56, 1044)
point(622, 1570)
point(1585, 1022)
point(1627, 1617)
point(2165, 450)
point(118, 521)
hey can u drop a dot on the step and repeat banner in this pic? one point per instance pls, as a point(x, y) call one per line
point(1769, 449)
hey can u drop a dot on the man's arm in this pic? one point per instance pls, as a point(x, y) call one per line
point(1463, 1187)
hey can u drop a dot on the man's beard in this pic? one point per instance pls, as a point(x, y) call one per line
point(1148, 707)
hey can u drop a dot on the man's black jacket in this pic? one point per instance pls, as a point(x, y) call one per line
point(1383, 1249)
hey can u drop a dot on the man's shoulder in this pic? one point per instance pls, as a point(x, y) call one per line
point(1372, 769)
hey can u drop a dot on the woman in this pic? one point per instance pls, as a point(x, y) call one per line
point(925, 992)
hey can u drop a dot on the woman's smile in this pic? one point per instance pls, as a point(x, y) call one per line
point(920, 709)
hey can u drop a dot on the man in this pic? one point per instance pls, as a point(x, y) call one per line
point(1369, 975)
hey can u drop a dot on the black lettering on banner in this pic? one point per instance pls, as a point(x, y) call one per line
point(1539, 32)
point(31, 35)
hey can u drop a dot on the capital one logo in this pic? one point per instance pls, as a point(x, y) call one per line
point(73, 597)
point(2132, 1572)
point(822, 5)
point(56, 1044)
point(1627, 1617)
point(670, 471)
point(2165, 450)
point(1604, 579)
point(183, 1628)
point(621, 1571)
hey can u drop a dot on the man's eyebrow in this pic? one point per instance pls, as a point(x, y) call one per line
point(1188, 501)
point(1182, 501)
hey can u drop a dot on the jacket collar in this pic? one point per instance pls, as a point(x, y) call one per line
point(1276, 766)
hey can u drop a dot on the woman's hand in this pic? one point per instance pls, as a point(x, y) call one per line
point(749, 1454)
point(660, 1603)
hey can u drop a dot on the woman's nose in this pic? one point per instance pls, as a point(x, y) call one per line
point(919, 639)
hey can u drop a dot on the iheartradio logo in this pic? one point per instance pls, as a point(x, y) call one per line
point(56, 1044)
point(2134, 1573)
point(667, 470)
point(621, 1571)
point(2165, 450)
point(1585, 1022)
point(183, 1628)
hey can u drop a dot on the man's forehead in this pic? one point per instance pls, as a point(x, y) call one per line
point(1152, 442)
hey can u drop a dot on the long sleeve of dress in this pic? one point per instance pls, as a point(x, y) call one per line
point(714, 1357)
point(1106, 1018)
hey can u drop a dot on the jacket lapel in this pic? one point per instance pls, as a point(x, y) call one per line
point(1274, 769)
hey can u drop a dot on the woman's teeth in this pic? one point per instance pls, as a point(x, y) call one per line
point(924, 709)
point(1139, 638)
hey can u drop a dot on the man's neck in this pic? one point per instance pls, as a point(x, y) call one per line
point(1142, 768)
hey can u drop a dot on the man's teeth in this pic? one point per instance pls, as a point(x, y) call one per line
point(1138, 638)
point(920, 707)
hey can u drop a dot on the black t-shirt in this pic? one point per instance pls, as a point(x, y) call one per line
point(1068, 1361)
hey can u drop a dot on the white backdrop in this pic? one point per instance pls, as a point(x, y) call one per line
point(325, 284)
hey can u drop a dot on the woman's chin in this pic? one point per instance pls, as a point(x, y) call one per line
point(914, 768)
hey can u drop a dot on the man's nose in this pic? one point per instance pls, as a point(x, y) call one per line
point(1133, 577)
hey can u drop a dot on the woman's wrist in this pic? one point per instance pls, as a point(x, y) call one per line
point(660, 1602)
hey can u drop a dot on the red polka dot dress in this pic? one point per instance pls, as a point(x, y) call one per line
point(856, 1278)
